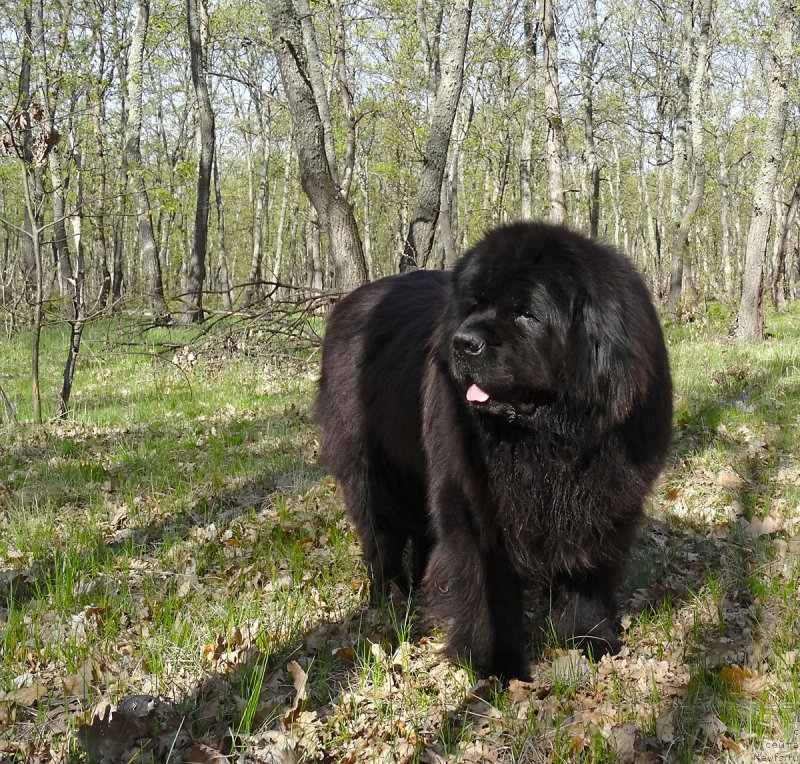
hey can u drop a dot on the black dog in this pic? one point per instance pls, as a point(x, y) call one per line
point(508, 420)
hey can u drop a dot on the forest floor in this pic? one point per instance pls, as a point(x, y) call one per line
point(178, 581)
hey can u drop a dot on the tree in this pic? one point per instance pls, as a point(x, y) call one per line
point(683, 219)
point(316, 169)
point(590, 47)
point(193, 297)
point(134, 163)
point(750, 326)
point(555, 124)
point(421, 230)
point(530, 26)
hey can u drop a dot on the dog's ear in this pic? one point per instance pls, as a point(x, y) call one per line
point(601, 355)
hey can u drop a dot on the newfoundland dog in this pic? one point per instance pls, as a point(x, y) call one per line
point(505, 421)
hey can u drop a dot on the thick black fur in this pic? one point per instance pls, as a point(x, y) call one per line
point(541, 487)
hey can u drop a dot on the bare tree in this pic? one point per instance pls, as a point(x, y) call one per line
point(750, 327)
point(316, 169)
point(193, 298)
point(419, 239)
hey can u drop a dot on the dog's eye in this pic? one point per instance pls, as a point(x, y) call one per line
point(527, 314)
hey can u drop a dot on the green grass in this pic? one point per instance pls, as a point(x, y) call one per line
point(177, 536)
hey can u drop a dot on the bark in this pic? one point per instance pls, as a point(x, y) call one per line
point(315, 274)
point(193, 298)
point(555, 125)
point(421, 230)
point(750, 327)
point(316, 171)
point(133, 157)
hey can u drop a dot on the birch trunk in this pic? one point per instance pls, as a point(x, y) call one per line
point(750, 327)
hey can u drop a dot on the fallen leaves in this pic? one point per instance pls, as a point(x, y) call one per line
point(745, 681)
point(300, 679)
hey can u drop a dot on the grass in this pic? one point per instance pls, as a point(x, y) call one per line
point(176, 537)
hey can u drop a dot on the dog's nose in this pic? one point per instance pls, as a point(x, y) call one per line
point(468, 343)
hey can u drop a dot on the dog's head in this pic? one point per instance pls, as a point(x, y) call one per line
point(537, 319)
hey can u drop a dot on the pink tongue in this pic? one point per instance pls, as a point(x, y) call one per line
point(476, 395)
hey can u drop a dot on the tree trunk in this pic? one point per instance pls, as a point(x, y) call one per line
point(316, 172)
point(750, 327)
point(99, 246)
point(419, 239)
point(314, 247)
point(223, 279)
point(725, 223)
point(133, 158)
point(32, 216)
point(591, 45)
point(193, 298)
point(680, 241)
point(78, 297)
point(555, 125)
point(680, 162)
point(530, 27)
point(60, 245)
point(277, 263)
point(363, 183)
point(779, 290)
point(255, 287)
